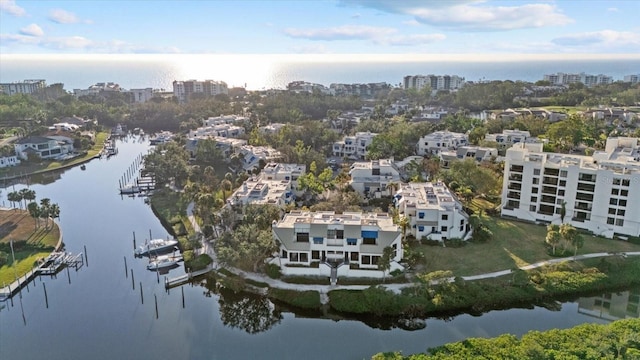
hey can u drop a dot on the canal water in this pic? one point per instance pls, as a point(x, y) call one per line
point(98, 315)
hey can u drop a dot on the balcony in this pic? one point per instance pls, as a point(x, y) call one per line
point(515, 177)
point(515, 186)
point(335, 242)
point(548, 190)
point(513, 195)
point(583, 196)
point(516, 168)
point(552, 172)
point(548, 199)
point(550, 181)
point(587, 178)
point(586, 187)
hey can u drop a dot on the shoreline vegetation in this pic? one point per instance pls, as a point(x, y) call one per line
point(617, 340)
point(30, 243)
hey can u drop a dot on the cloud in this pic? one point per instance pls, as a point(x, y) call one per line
point(411, 22)
point(468, 15)
point(32, 30)
point(64, 17)
point(10, 7)
point(612, 9)
point(82, 44)
point(355, 16)
point(412, 40)
point(346, 32)
point(609, 38)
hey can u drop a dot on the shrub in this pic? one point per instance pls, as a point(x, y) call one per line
point(273, 271)
point(430, 242)
point(454, 243)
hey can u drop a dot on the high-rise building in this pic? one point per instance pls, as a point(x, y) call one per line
point(183, 89)
point(435, 82)
point(24, 87)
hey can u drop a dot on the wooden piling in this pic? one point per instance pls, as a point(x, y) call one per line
point(46, 298)
point(86, 257)
point(141, 296)
point(158, 276)
point(182, 288)
point(68, 275)
point(156, 300)
point(126, 272)
point(134, 240)
point(133, 282)
point(150, 237)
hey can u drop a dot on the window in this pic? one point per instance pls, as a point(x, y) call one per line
point(610, 221)
point(420, 215)
point(536, 181)
point(563, 182)
point(443, 228)
point(368, 241)
point(420, 228)
point(622, 202)
point(315, 255)
point(354, 256)
point(624, 192)
point(339, 234)
point(462, 222)
point(612, 211)
point(302, 237)
point(318, 240)
point(445, 217)
point(560, 192)
point(331, 234)
point(366, 260)
point(352, 241)
point(534, 190)
point(284, 254)
point(616, 181)
point(536, 171)
point(532, 208)
point(613, 201)
point(375, 171)
point(304, 257)
point(293, 256)
point(374, 260)
point(619, 222)
point(625, 182)
point(563, 173)
point(621, 212)
point(615, 191)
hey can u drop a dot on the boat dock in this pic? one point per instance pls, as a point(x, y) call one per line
point(183, 279)
point(51, 265)
point(137, 179)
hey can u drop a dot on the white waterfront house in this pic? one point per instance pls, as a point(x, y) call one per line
point(252, 155)
point(354, 147)
point(597, 191)
point(222, 130)
point(277, 184)
point(6, 161)
point(334, 245)
point(43, 147)
point(433, 211)
point(440, 140)
point(371, 178)
point(223, 119)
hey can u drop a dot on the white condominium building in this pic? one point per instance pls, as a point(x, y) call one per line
point(440, 140)
point(183, 89)
point(372, 177)
point(510, 137)
point(587, 79)
point(597, 192)
point(435, 82)
point(24, 87)
point(433, 211)
point(477, 153)
point(330, 244)
point(354, 147)
point(276, 185)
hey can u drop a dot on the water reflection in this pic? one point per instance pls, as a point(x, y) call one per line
point(612, 306)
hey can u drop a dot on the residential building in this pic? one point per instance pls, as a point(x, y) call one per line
point(440, 140)
point(141, 95)
point(6, 161)
point(227, 146)
point(307, 87)
point(98, 88)
point(223, 119)
point(587, 79)
point(354, 147)
point(595, 192)
point(24, 87)
point(349, 244)
point(477, 153)
point(271, 128)
point(371, 178)
point(435, 82)
point(222, 130)
point(509, 137)
point(183, 89)
point(362, 90)
point(433, 211)
point(277, 184)
point(253, 155)
point(634, 79)
point(43, 147)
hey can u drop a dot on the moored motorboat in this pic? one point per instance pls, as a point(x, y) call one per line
point(163, 261)
point(156, 246)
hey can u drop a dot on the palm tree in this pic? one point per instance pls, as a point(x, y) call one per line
point(403, 222)
point(225, 185)
point(14, 197)
point(54, 211)
point(34, 211)
point(27, 194)
point(553, 236)
point(45, 205)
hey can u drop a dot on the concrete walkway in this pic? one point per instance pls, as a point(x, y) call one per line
point(324, 289)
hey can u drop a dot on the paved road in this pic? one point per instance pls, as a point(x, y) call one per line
point(324, 289)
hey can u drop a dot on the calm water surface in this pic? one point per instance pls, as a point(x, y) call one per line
point(100, 316)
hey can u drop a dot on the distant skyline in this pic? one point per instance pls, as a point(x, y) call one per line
point(390, 27)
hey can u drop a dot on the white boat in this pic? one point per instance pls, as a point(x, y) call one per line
point(163, 261)
point(129, 189)
point(156, 246)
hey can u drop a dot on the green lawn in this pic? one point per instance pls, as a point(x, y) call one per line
point(514, 244)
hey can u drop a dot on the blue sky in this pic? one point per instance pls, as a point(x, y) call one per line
point(313, 26)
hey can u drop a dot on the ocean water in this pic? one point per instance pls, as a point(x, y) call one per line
point(275, 71)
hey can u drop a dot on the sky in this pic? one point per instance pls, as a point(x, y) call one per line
point(320, 27)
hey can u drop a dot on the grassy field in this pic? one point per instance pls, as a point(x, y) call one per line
point(38, 167)
point(30, 244)
point(514, 244)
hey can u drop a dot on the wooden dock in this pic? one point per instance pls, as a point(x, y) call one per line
point(183, 279)
point(51, 265)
